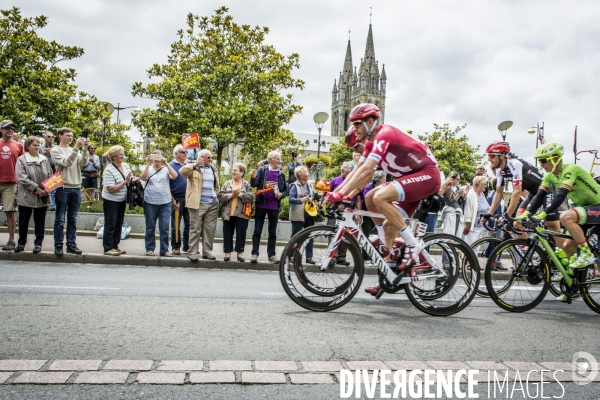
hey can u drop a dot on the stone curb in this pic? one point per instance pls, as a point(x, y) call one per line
point(126, 260)
point(222, 371)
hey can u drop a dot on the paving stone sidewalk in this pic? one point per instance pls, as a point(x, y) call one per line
point(182, 372)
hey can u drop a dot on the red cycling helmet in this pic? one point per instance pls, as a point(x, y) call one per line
point(352, 139)
point(498, 147)
point(364, 111)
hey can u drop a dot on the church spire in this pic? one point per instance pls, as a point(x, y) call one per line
point(348, 60)
point(370, 49)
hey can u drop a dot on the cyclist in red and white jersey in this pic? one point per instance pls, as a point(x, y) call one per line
point(403, 157)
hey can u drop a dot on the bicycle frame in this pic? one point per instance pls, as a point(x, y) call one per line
point(347, 224)
point(540, 238)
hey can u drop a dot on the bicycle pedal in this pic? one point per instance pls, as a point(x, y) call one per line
point(379, 294)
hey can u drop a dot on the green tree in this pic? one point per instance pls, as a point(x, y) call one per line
point(223, 81)
point(453, 152)
point(339, 153)
point(37, 94)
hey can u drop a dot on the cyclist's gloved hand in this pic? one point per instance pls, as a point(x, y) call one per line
point(333, 197)
point(523, 217)
point(538, 218)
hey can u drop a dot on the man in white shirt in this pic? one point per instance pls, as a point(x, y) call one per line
point(68, 198)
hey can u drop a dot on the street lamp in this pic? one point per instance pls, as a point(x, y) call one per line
point(503, 127)
point(111, 109)
point(319, 119)
point(539, 135)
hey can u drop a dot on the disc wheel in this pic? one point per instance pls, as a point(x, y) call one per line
point(307, 284)
point(452, 293)
point(525, 284)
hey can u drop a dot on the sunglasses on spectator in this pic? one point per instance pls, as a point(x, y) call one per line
point(182, 152)
point(9, 128)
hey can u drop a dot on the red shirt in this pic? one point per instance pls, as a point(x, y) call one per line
point(9, 153)
point(398, 153)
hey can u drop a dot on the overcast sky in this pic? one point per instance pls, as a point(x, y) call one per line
point(468, 61)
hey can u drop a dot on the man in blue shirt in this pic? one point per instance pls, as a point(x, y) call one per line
point(178, 187)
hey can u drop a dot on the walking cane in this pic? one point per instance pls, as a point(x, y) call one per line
point(177, 224)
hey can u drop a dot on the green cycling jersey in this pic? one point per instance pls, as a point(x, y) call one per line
point(583, 190)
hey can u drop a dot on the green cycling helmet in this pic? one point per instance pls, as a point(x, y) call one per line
point(549, 150)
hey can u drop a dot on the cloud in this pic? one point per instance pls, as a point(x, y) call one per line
point(451, 61)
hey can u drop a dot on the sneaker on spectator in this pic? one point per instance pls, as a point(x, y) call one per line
point(112, 252)
point(369, 263)
point(167, 254)
point(10, 246)
point(194, 256)
point(121, 251)
point(254, 258)
point(176, 252)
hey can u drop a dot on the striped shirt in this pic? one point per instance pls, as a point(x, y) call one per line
point(112, 176)
point(208, 195)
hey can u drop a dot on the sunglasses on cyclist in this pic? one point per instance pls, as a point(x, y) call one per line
point(357, 123)
point(543, 160)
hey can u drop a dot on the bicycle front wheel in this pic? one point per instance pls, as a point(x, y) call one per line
point(525, 283)
point(590, 292)
point(307, 284)
point(482, 248)
point(446, 295)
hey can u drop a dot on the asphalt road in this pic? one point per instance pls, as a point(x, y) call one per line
point(69, 311)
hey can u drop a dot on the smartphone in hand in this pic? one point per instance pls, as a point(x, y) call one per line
point(84, 134)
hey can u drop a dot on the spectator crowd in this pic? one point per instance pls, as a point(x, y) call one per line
point(185, 198)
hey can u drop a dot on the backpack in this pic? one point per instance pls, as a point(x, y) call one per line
point(136, 193)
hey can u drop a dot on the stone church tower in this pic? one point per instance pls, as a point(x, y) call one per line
point(352, 88)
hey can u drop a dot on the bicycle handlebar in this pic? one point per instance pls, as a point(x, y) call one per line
point(530, 223)
point(333, 211)
point(506, 228)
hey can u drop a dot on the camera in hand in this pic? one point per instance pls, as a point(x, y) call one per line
point(84, 134)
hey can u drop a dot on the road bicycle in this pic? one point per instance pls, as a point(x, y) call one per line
point(484, 246)
point(529, 277)
point(432, 285)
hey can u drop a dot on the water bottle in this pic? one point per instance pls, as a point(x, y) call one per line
point(564, 260)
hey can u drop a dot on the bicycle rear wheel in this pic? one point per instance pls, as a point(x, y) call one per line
point(306, 284)
point(520, 288)
point(450, 294)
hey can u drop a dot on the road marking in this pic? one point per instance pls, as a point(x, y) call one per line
point(60, 287)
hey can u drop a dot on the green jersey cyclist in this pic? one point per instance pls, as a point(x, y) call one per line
point(574, 182)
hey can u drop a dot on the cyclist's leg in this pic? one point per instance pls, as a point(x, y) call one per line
point(572, 220)
point(407, 191)
point(553, 219)
point(394, 221)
